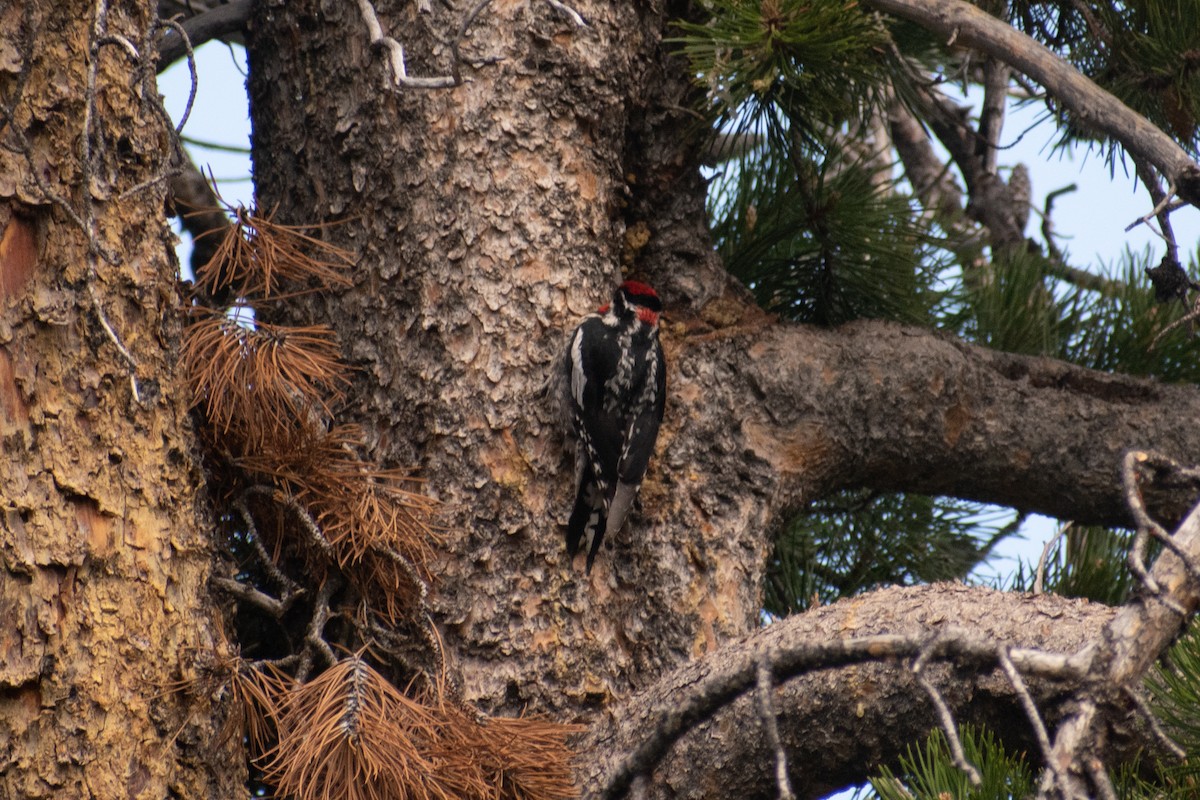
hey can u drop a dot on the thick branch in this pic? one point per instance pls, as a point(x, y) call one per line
point(865, 714)
point(1089, 104)
point(880, 405)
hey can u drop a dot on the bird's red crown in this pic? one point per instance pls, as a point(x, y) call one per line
point(639, 289)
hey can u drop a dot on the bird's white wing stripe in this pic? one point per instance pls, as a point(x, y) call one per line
point(577, 378)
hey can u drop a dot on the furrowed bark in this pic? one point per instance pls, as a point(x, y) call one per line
point(104, 557)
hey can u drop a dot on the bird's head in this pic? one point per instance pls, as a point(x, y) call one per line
point(640, 299)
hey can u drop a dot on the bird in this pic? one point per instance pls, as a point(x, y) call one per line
point(614, 386)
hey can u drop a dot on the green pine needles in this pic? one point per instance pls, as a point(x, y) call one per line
point(928, 771)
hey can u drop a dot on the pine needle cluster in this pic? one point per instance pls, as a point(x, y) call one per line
point(351, 734)
point(928, 772)
point(346, 543)
point(270, 394)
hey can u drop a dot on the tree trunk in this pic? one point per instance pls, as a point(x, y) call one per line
point(104, 531)
point(488, 218)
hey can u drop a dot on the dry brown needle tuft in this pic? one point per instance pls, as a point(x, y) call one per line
point(257, 257)
point(350, 735)
point(259, 383)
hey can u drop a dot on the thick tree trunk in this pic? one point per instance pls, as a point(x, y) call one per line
point(103, 595)
point(488, 218)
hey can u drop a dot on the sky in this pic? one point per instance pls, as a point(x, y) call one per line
point(1092, 219)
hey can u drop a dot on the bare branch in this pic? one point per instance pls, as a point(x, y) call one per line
point(249, 595)
point(462, 31)
point(1143, 707)
point(1162, 206)
point(769, 717)
point(307, 523)
point(719, 687)
point(991, 116)
point(314, 637)
point(1147, 526)
point(395, 50)
point(97, 34)
point(949, 728)
point(1031, 710)
point(1137, 636)
point(191, 62)
point(1089, 104)
point(1039, 581)
point(215, 23)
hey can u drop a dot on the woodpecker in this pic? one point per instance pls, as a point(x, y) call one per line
point(614, 382)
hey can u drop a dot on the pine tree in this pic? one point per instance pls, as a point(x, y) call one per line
point(295, 525)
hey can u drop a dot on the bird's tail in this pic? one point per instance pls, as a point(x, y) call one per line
point(588, 520)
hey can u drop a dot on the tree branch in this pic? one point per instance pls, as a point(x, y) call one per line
point(1131, 643)
point(1089, 104)
point(866, 713)
point(895, 408)
point(215, 23)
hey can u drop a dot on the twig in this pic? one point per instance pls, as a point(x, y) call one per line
point(462, 31)
point(566, 10)
point(150, 92)
point(1048, 221)
point(99, 26)
point(409, 569)
point(1147, 526)
point(769, 717)
point(265, 562)
point(191, 62)
point(249, 595)
point(1154, 212)
point(943, 713)
point(1100, 780)
point(122, 42)
point(1190, 316)
point(1031, 710)
point(1149, 179)
point(309, 524)
point(1141, 537)
point(314, 641)
point(428, 630)
point(395, 52)
point(1156, 727)
point(1039, 581)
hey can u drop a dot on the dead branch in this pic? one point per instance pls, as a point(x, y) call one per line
point(395, 50)
point(1101, 669)
point(670, 716)
point(215, 23)
point(1089, 104)
point(769, 716)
